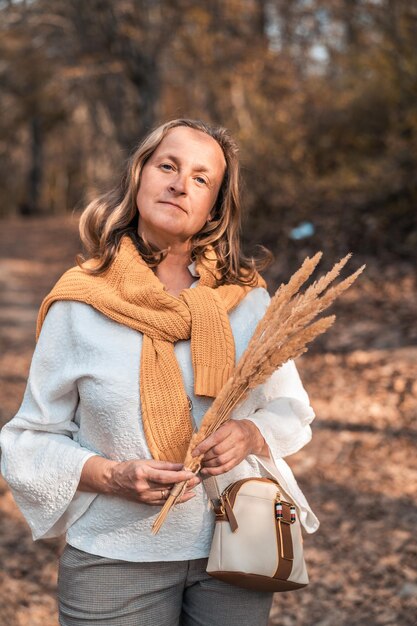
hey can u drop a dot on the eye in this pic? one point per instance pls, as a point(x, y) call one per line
point(166, 165)
point(200, 179)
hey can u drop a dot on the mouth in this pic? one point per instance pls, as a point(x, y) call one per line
point(173, 204)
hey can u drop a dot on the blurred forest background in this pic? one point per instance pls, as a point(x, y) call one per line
point(320, 94)
point(322, 99)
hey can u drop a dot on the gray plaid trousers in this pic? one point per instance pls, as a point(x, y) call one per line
point(95, 590)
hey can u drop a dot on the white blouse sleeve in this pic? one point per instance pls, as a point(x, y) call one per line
point(41, 461)
point(284, 413)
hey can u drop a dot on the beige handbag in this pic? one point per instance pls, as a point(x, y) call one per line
point(257, 542)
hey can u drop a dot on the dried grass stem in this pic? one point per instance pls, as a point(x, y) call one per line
point(282, 334)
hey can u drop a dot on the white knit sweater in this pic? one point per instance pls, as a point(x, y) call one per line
point(82, 398)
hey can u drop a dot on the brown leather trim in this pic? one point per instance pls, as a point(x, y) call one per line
point(284, 544)
point(255, 581)
point(235, 487)
point(283, 540)
point(224, 513)
point(230, 514)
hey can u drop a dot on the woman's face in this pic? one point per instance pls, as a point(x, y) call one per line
point(179, 186)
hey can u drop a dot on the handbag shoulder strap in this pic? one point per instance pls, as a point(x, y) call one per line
point(211, 486)
point(209, 482)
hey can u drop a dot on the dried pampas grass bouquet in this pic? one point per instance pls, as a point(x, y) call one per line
point(282, 334)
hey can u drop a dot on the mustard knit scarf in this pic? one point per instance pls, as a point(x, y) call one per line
point(131, 294)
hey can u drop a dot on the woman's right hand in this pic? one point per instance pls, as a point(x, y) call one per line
point(144, 480)
point(149, 481)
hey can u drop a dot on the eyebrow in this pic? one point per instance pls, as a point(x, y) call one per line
point(197, 168)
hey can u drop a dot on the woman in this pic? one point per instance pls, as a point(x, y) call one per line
point(151, 324)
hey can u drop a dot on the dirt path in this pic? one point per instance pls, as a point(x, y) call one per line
point(359, 472)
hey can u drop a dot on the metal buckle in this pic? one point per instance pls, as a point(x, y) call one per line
point(190, 403)
point(218, 508)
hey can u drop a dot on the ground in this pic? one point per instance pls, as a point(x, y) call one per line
point(359, 472)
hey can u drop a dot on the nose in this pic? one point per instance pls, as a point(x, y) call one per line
point(178, 185)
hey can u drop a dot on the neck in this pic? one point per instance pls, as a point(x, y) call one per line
point(178, 257)
point(174, 274)
point(175, 261)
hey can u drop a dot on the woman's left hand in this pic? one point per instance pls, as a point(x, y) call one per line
point(229, 446)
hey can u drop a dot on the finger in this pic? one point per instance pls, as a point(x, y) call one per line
point(165, 465)
point(216, 471)
point(220, 460)
point(154, 500)
point(156, 494)
point(193, 483)
point(224, 447)
point(158, 486)
point(188, 495)
point(165, 477)
point(216, 438)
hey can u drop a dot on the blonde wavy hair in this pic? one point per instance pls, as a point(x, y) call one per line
point(112, 215)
